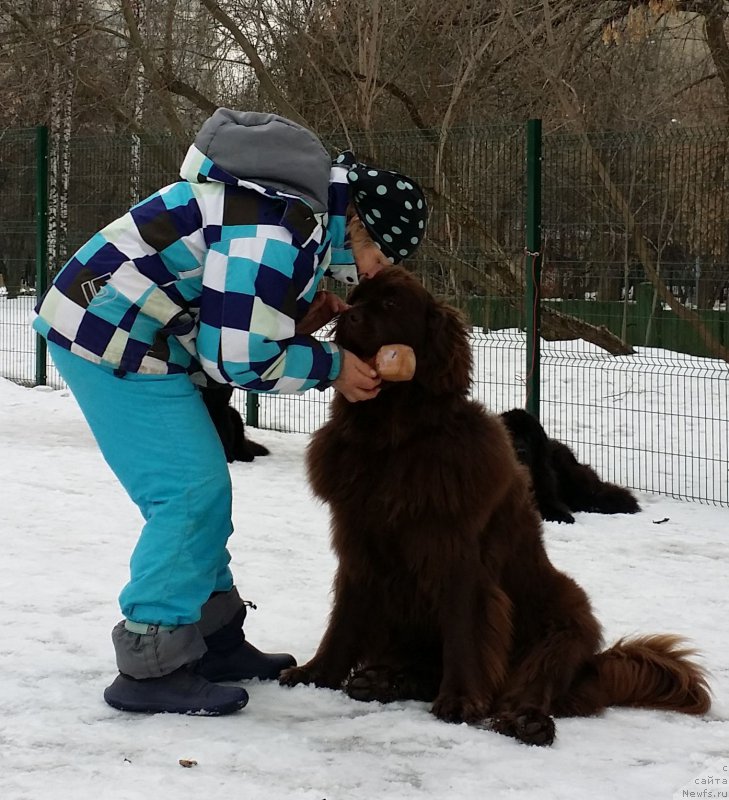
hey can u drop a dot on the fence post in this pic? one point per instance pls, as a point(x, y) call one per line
point(533, 262)
point(41, 240)
point(252, 409)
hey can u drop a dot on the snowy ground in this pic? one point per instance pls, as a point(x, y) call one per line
point(67, 530)
point(656, 420)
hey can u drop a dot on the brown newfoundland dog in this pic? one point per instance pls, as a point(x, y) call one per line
point(444, 591)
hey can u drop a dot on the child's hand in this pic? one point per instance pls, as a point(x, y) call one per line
point(323, 309)
point(357, 380)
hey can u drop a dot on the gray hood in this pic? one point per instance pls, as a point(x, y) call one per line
point(264, 149)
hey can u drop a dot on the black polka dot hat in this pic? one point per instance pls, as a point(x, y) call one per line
point(391, 206)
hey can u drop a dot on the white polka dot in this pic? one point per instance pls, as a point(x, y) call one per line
point(414, 240)
point(401, 185)
point(352, 175)
point(387, 237)
point(421, 224)
point(420, 203)
point(376, 213)
point(404, 219)
point(378, 245)
point(340, 158)
point(373, 172)
point(403, 252)
point(408, 205)
point(369, 219)
point(395, 229)
point(408, 185)
point(391, 259)
point(382, 189)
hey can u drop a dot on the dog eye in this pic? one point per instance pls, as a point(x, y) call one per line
point(389, 304)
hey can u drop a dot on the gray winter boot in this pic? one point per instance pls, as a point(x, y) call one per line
point(157, 673)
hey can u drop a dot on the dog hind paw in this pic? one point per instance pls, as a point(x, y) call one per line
point(528, 725)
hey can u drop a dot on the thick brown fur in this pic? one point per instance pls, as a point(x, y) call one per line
point(444, 591)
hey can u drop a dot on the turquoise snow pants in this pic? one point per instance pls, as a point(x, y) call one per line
point(156, 435)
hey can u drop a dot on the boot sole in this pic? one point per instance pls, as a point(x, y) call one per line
point(150, 708)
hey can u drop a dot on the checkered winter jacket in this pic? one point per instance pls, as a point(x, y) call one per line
point(214, 271)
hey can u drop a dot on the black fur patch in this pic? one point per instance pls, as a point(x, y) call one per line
point(229, 424)
point(561, 484)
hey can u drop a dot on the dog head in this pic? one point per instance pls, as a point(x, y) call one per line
point(528, 437)
point(393, 307)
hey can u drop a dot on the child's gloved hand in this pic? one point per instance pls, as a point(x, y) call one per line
point(323, 309)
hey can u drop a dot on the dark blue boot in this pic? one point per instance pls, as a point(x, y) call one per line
point(181, 692)
point(231, 658)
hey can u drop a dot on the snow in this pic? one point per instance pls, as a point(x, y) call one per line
point(68, 529)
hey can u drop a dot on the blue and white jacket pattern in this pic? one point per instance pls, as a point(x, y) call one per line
point(211, 273)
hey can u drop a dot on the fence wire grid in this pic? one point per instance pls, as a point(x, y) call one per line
point(634, 277)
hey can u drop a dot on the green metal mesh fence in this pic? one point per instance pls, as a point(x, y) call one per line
point(111, 174)
point(474, 249)
point(625, 215)
point(634, 376)
point(17, 253)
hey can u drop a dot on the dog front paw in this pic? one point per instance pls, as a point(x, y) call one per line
point(373, 683)
point(293, 676)
point(308, 674)
point(456, 708)
point(528, 725)
point(558, 514)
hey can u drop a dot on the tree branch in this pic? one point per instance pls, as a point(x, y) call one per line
point(259, 68)
point(150, 69)
point(716, 40)
point(176, 86)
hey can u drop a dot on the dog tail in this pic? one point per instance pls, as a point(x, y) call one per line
point(643, 672)
point(613, 499)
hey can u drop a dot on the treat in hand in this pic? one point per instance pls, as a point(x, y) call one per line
point(395, 362)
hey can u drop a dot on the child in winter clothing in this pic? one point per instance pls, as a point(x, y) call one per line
point(212, 278)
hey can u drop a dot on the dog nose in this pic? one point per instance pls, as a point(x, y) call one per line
point(353, 315)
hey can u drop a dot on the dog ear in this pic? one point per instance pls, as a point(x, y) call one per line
point(445, 366)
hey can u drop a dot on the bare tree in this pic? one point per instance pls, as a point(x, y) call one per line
point(353, 69)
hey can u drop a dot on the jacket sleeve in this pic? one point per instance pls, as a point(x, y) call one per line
point(254, 288)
